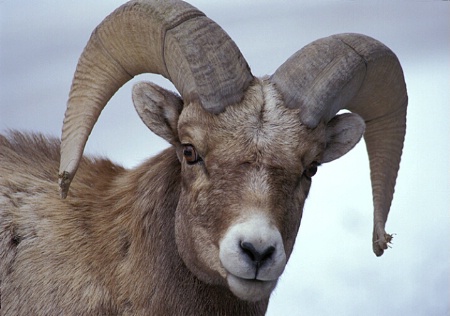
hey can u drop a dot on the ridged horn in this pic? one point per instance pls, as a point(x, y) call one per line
point(358, 73)
point(169, 37)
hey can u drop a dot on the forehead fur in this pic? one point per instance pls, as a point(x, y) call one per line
point(260, 129)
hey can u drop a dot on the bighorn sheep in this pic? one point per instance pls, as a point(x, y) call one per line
point(205, 227)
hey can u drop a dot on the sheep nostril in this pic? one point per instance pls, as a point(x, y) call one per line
point(257, 257)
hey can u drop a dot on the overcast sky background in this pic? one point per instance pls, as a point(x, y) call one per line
point(332, 270)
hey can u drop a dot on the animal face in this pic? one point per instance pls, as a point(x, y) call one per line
point(246, 173)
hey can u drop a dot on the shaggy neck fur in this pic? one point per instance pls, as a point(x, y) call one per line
point(122, 257)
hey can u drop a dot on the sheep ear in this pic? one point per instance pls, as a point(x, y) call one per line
point(159, 109)
point(343, 133)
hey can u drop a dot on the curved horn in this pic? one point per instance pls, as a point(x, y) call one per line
point(362, 75)
point(171, 38)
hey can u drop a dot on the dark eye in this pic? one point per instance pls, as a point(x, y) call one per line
point(190, 154)
point(311, 170)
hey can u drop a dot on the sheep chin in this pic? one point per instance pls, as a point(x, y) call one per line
point(250, 290)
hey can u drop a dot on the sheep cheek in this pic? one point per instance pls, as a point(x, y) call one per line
point(194, 241)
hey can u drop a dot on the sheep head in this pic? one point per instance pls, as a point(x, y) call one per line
point(248, 147)
point(245, 175)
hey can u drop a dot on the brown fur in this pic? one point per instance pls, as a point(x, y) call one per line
point(146, 241)
point(91, 254)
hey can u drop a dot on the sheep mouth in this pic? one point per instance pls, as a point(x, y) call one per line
point(250, 289)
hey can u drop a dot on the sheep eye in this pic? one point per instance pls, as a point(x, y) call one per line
point(190, 155)
point(311, 170)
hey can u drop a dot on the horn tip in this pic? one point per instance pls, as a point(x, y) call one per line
point(64, 180)
point(382, 243)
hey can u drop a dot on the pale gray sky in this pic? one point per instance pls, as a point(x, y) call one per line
point(332, 270)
